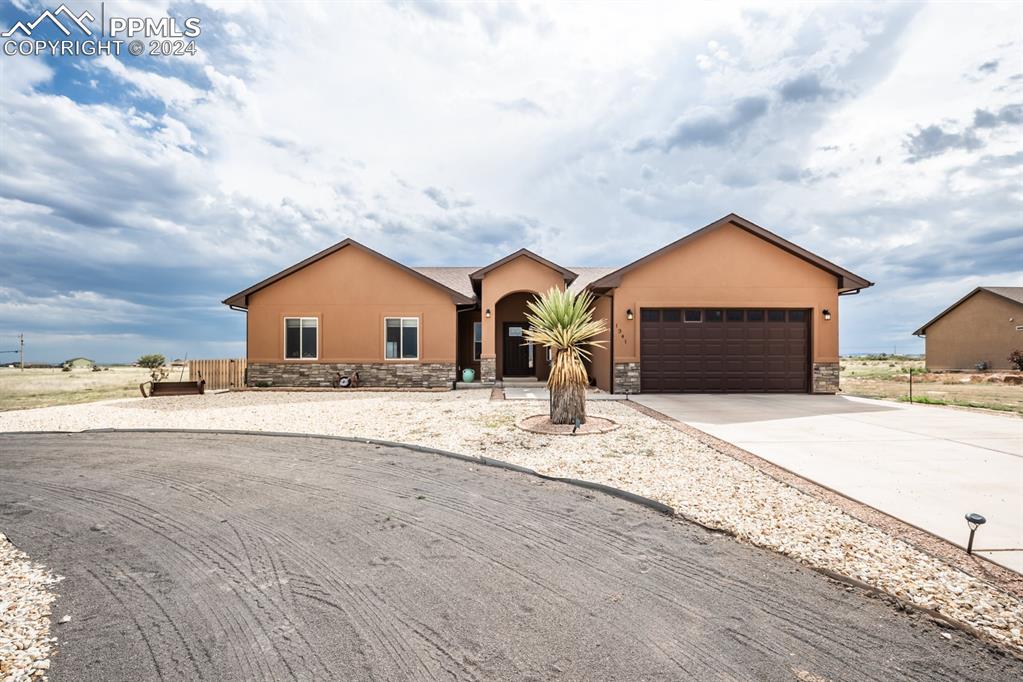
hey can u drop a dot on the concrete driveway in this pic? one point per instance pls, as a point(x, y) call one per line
point(926, 465)
point(243, 557)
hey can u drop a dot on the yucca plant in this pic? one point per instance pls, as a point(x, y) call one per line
point(563, 321)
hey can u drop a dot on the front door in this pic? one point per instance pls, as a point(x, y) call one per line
point(518, 355)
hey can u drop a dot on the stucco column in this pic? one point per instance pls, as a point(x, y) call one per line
point(488, 354)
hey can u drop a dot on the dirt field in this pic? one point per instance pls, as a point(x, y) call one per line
point(44, 387)
point(890, 379)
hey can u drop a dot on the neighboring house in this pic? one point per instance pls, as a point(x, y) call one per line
point(985, 326)
point(728, 308)
point(78, 363)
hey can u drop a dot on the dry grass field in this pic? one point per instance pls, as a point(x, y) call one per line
point(889, 379)
point(44, 387)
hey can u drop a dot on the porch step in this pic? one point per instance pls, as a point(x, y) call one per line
point(522, 381)
point(459, 385)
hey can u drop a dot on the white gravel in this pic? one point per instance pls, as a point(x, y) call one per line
point(643, 456)
point(25, 600)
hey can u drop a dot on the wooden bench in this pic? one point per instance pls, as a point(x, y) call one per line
point(164, 388)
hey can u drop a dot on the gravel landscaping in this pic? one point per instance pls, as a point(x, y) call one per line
point(643, 456)
point(25, 600)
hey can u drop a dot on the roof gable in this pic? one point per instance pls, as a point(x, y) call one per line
point(847, 281)
point(241, 299)
point(567, 274)
point(1014, 294)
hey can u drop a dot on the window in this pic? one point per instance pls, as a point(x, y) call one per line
point(797, 316)
point(648, 315)
point(754, 315)
point(477, 340)
point(733, 315)
point(300, 338)
point(672, 315)
point(775, 315)
point(693, 316)
point(402, 338)
point(711, 315)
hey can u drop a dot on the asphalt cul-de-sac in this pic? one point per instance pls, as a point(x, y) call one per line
point(246, 557)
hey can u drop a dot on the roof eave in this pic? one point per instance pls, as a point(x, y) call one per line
point(847, 281)
point(243, 295)
point(566, 274)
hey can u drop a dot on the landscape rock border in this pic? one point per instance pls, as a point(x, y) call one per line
point(541, 424)
point(26, 599)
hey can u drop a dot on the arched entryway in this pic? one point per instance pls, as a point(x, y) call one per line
point(515, 356)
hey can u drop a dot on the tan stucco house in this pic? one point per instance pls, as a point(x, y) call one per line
point(730, 307)
point(984, 326)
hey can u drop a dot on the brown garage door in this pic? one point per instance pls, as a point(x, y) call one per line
point(699, 350)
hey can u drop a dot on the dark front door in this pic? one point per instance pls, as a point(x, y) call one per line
point(518, 357)
point(692, 350)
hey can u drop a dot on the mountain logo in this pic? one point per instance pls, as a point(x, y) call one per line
point(63, 10)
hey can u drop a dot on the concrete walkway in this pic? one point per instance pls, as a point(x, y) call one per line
point(926, 465)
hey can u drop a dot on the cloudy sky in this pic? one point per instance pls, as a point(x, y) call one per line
point(138, 192)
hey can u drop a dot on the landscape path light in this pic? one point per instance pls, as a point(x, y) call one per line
point(974, 521)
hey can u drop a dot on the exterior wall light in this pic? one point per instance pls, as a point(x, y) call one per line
point(629, 315)
point(826, 313)
point(974, 521)
point(487, 314)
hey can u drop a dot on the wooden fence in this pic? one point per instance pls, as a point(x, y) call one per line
point(226, 373)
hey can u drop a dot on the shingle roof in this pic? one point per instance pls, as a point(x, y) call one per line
point(1011, 293)
point(1014, 294)
point(587, 275)
point(458, 281)
point(452, 278)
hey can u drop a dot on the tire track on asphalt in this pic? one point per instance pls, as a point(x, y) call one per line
point(259, 557)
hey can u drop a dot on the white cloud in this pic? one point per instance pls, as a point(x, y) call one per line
point(440, 132)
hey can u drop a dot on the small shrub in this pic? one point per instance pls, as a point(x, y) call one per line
point(154, 362)
point(65, 368)
point(1016, 358)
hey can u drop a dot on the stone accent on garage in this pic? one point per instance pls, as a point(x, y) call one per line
point(488, 370)
point(825, 377)
point(322, 374)
point(626, 377)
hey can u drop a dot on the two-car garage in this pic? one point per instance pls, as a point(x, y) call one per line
point(730, 350)
point(730, 308)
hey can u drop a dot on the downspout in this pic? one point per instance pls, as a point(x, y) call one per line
point(611, 355)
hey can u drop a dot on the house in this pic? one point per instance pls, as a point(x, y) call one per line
point(78, 363)
point(730, 307)
point(984, 326)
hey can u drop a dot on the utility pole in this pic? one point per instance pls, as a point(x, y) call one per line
point(21, 350)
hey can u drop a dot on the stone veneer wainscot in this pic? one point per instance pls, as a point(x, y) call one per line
point(382, 374)
point(626, 377)
point(825, 377)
